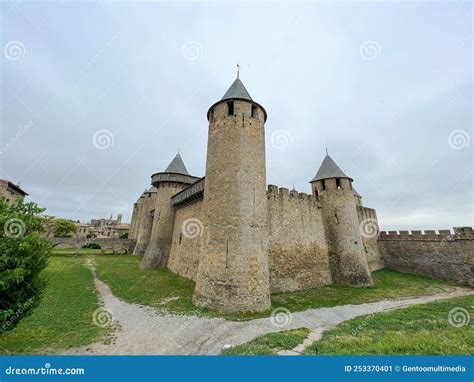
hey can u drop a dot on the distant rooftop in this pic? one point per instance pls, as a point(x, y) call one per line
point(13, 186)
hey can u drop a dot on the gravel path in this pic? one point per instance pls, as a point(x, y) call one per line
point(143, 330)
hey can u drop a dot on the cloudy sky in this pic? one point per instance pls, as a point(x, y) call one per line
point(97, 97)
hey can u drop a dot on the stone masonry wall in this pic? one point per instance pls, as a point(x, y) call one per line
point(298, 252)
point(369, 227)
point(159, 245)
point(145, 223)
point(186, 240)
point(443, 255)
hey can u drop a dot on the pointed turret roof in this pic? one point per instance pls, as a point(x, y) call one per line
point(177, 166)
point(237, 90)
point(329, 169)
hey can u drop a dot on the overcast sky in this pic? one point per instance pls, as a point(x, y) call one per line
point(97, 97)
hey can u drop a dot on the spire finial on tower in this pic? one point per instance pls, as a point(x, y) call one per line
point(238, 71)
point(327, 151)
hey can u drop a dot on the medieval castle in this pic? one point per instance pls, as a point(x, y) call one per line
point(239, 240)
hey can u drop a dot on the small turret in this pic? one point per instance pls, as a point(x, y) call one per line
point(167, 183)
point(346, 253)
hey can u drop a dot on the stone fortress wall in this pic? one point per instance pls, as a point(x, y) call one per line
point(298, 251)
point(368, 225)
point(442, 255)
point(241, 240)
point(186, 240)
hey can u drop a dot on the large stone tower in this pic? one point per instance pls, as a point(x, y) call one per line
point(233, 267)
point(346, 252)
point(167, 183)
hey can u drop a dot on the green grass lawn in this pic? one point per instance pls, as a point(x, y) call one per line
point(63, 317)
point(165, 290)
point(82, 251)
point(417, 330)
point(270, 344)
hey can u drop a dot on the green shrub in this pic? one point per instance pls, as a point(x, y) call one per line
point(23, 255)
point(63, 228)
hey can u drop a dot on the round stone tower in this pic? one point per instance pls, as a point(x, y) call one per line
point(145, 220)
point(167, 183)
point(133, 222)
point(233, 267)
point(346, 252)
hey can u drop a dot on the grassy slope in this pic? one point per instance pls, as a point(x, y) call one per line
point(153, 287)
point(422, 330)
point(63, 317)
point(270, 343)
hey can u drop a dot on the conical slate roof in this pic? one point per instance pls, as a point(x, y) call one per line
point(237, 90)
point(177, 166)
point(329, 169)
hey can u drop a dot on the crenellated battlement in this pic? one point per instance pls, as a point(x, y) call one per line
point(275, 192)
point(458, 233)
point(366, 213)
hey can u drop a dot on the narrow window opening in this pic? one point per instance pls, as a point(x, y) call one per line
point(336, 218)
point(323, 184)
point(254, 111)
point(180, 237)
point(230, 108)
point(338, 184)
point(316, 192)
